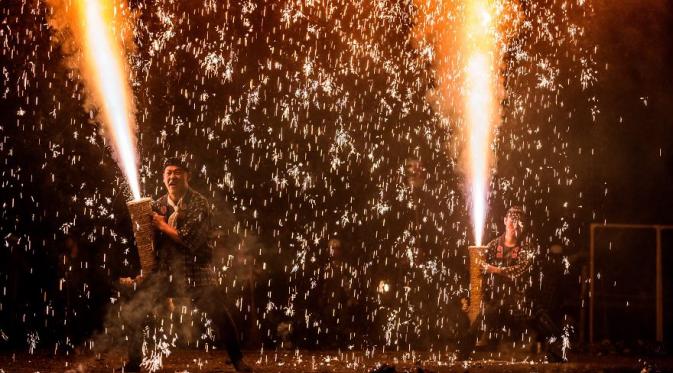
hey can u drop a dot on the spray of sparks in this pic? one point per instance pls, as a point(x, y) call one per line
point(466, 41)
point(312, 124)
point(105, 73)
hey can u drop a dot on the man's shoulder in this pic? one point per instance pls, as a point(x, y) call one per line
point(196, 196)
point(197, 199)
point(494, 242)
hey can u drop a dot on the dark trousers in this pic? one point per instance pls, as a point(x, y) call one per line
point(149, 299)
point(208, 299)
point(498, 314)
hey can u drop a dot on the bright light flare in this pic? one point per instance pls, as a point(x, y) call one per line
point(108, 82)
point(479, 116)
point(481, 108)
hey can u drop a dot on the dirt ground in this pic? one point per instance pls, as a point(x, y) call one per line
point(331, 361)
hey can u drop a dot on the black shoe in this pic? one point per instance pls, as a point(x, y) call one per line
point(241, 366)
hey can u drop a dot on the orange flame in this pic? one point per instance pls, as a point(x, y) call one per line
point(104, 70)
point(465, 40)
point(105, 62)
point(481, 109)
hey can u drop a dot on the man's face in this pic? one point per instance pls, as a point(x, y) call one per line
point(176, 180)
point(513, 224)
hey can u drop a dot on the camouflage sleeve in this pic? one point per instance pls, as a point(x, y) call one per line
point(489, 252)
point(525, 260)
point(195, 230)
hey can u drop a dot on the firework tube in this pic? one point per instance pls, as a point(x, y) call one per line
point(141, 220)
point(476, 281)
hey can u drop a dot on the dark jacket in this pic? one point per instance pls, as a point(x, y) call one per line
point(188, 265)
point(513, 288)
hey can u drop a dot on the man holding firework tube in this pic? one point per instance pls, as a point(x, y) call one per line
point(509, 296)
point(182, 219)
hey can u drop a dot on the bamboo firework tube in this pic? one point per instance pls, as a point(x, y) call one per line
point(476, 281)
point(141, 219)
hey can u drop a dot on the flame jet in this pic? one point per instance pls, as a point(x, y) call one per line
point(480, 104)
point(465, 41)
point(90, 28)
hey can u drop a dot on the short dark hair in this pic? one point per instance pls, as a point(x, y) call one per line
point(177, 162)
point(516, 212)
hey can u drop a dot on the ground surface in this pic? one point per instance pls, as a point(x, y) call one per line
point(329, 361)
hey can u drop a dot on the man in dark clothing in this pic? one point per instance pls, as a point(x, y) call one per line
point(75, 279)
point(182, 219)
point(509, 290)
